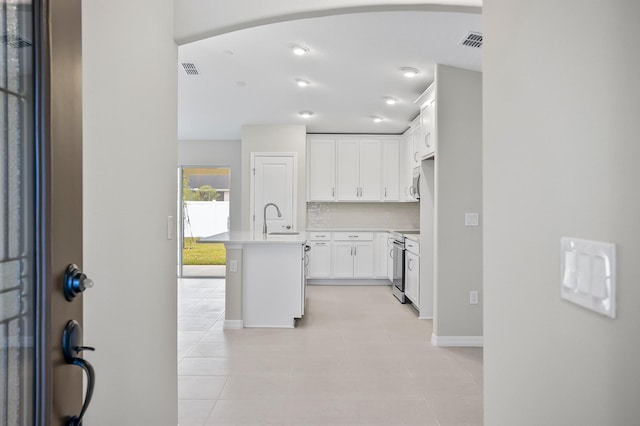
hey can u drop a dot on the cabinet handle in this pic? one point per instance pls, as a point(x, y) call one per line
point(321, 244)
point(415, 156)
point(333, 192)
point(351, 250)
point(409, 264)
point(391, 253)
point(385, 192)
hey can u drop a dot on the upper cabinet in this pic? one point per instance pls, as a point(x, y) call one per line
point(321, 169)
point(359, 170)
point(428, 130)
point(354, 168)
point(390, 167)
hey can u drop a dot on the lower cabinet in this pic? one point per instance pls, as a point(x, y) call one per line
point(412, 277)
point(347, 255)
point(352, 259)
point(319, 255)
point(319, 259)
point(381, 255)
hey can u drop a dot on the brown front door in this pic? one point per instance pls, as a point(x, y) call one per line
point(41, 209)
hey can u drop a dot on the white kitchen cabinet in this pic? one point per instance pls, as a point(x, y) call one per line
point(352, 254)
point(412, 271)
point(358, 170)
point(428, 128)
point(319, 255)
point(381, 255)
point(389, 256)
point(363, 259)
point(321, 169)
point(390, 167)
point(414, 157)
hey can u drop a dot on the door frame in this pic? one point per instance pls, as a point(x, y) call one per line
point(57, 68)
point(294, 213)
point(180, 224)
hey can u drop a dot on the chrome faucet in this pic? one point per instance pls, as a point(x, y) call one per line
point(264, 220)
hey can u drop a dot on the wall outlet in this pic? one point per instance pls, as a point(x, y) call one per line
point(233, 266)
point(473, 297)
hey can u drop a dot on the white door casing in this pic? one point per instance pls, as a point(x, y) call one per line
point(273, 181)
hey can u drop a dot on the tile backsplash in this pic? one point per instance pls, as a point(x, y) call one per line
point(398, 216)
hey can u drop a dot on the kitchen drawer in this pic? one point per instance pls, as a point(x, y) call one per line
point(353, 236)
point(412, 246)
point(319, 236)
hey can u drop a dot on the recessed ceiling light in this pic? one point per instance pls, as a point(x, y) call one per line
point(390, 101)
point(376, 119)
point(299, 49)
point(409, 72)
point(302, 83)
point(305, 114)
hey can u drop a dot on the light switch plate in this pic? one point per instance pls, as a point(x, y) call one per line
point(588, 274)
point(471, 219)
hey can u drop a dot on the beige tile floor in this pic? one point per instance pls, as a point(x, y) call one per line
point(358, 357)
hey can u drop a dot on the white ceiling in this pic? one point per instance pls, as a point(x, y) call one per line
point(248, 76)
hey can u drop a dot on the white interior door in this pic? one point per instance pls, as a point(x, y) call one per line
point(273, 182)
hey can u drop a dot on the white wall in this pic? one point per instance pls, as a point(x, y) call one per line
point(274, 138)
point(560, 159)
point(130, 86)
point(223, 153)
point(197, 19)
point(458, 190)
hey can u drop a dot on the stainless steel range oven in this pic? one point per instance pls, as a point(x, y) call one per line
point(397, 253)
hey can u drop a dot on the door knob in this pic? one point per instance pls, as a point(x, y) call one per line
point(75, 282)
point(71, 349)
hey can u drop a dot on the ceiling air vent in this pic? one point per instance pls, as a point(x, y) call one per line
point(14, 40)
point(190, 68)
point(472, 39)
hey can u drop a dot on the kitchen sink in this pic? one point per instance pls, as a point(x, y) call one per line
point(284, 233)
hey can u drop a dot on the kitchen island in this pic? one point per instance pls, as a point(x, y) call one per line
point(265, 279)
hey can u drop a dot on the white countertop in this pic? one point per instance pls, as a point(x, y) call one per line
point(414, 237)
point(245, 237)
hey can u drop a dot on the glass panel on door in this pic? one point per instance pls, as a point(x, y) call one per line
point(16, 215)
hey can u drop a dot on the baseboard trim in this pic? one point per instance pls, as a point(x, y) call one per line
point(472, 341)
point(232, 324)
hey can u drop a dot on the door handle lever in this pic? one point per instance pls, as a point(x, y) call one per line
point(71, 348)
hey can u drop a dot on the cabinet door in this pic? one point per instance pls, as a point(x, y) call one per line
point(428, 140)
point(321, 167)
point(369, 168)
point(415, 150)
point(342, 256)
point(389, 260)
point(320, 259)
point(412, 276)
point(380, 255)
point(406, 163)
point(363, 259)
point(390, 169)
point(348, 173)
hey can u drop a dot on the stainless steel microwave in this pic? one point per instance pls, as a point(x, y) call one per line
point(415, 183)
